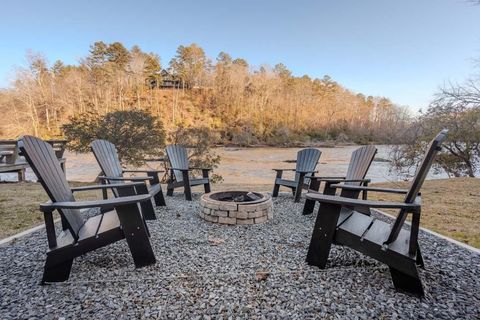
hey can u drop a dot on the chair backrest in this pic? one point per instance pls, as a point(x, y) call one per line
point(178, 157)
point(107, 158)
point(417, 182)
point(360, 162)
point(44, 163)
point(307, 160)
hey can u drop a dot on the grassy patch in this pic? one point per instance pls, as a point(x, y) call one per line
point(19, 205)
point(449, 206)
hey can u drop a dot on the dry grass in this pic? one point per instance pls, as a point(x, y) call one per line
point(19, 203)
point(449, 206)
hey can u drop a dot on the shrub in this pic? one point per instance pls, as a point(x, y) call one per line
point(136, 134)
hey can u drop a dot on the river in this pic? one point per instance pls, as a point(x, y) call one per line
point(249, 165)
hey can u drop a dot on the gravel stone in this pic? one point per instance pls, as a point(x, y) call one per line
point(194, 279)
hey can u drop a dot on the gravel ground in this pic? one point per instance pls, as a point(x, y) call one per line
point(209, 271)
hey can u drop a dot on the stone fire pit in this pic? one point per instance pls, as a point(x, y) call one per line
point(236, 207)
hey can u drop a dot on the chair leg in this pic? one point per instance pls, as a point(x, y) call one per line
point(407, 283)
point(160, 199)
point(186, 186)
point(146, 228)
point(310, 204)
point(298, 194)
point(419, 260)
point(56, 271)
point(188, 192)
point(276, 189)
point(148, 210)
point(206, 186)
point(298, 191)
point(169, 192)
point(136, 235)
point(323, 235)
point(308, 207)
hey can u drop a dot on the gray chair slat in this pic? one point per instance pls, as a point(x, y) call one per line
point(108, 160)
point(360, 162)
point(178, 157)
point(115, 159)
point(353, 165)
point(44, 163)
point(110, 157)
point(107, 163)
point(112, 162)
point(307, 160)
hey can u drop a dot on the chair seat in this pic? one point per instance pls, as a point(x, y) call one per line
point(356, 224)
point(154, 189)
point(289, 183)
point(199, 181)
point(375, 231)
point(380, 230)
point(345, 213)
point(94, 226)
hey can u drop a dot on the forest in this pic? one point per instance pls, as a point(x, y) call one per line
point(240, 103)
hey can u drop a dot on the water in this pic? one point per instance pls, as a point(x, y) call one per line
point(248, 165)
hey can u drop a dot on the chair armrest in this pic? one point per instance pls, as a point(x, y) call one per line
point(327, 178)
point(301, 171)
point(143, 171)
point(283, 169)
point(198, 168)
point(179, 169)
point(373, 189)
point(154, 159)
point(345, 180)
point(125, 178)
point(108, 203)
point(322, 198)
point(107, 186)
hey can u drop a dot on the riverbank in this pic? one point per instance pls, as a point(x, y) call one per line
point(450, 206)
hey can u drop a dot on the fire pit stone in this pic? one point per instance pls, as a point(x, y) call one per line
point(236, 207)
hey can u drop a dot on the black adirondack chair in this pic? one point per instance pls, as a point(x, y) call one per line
point(179, 172)
point(108, 160)
point(391, 244)
point(307, 160)
point(360, 162)
point(80, 235)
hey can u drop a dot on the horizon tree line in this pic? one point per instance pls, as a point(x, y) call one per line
point(241, 103)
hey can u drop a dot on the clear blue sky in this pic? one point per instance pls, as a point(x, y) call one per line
point(402, 49)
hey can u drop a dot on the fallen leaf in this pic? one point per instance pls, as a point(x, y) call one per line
point(216, 241)
point(261, 275)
